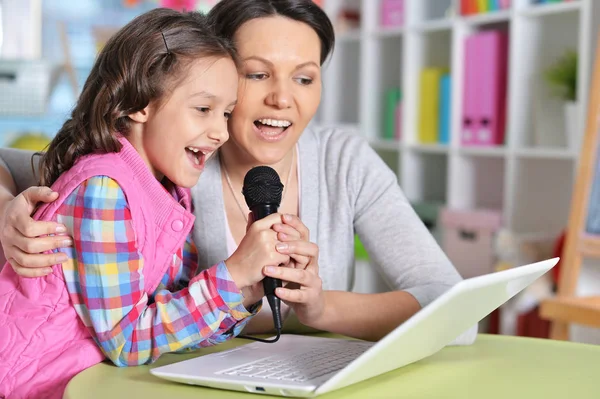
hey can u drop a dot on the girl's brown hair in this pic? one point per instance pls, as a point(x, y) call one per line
point(136, 67)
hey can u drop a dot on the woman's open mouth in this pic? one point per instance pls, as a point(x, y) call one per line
point(271, 129)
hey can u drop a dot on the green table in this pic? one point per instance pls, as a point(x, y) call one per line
point(494, 367)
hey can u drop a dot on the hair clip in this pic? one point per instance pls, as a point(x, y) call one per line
point(165, 40)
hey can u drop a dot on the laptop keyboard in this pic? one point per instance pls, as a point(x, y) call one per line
point(305, 366)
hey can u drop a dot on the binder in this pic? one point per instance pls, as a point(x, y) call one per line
point(392, 13)
point(429, 95)
point(505, 4)
point(470, 91)
point(473, 7)
point(484, 101)
point(482, 6)
point(445, 98)
point(468, 7)
point(493, 47)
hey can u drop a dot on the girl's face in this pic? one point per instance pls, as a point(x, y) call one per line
point(281, 87)
point(182, 132)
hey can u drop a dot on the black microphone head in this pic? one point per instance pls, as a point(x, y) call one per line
point(262, 186)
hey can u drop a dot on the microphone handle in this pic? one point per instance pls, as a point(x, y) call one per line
point(260, 211)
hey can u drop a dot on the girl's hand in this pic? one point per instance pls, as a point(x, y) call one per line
point(256, 250)
point(20, 234)
point(304, 291)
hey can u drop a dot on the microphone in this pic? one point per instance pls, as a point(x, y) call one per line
point(262, 191)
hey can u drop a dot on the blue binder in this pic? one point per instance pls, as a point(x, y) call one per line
point(444, 109)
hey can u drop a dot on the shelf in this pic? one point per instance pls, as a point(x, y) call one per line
point(386, 145)
point(488, 17)
point(547, 9)
point(547, 153)
point(429, 148)
point(389, 32)
point(436, 25)
point(478, 182)
point(530, 176)
point(425, 176)
point(534, 180)
point(538, 115)
point(483, 151)
point(434, 10)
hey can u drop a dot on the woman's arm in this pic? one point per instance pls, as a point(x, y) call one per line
point(7, 193)
point(23, 239)
point(398, 244)
point(19, 164)
point(397, 241)
point(105, 280)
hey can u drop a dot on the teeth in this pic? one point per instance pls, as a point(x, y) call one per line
point(197, 154)
point(275, 122)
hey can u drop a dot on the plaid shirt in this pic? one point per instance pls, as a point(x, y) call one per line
point(105, 281)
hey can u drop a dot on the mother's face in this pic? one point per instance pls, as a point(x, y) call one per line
point(281, 87)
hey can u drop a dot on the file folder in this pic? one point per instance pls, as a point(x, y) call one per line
point(482, 6)
point(445, 98)
point(494, 63)
point(470, 91)
point(429, 95)
point(484, 99)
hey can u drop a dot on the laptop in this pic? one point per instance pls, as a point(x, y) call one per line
point(307, 366)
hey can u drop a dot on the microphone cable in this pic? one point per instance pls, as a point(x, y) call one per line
point(274, 303)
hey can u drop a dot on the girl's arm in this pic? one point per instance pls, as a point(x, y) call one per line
point(105, 280)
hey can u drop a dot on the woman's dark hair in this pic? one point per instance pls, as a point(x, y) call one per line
point(227, 16)
point(138, 65)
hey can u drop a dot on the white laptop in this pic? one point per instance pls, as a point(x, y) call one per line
point(307, 366)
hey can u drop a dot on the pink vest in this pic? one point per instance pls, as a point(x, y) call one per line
point(43, 343)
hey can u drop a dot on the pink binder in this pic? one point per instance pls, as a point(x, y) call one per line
point(505, 4)
point(492, 104)
point(471, 79)
point(484, 99)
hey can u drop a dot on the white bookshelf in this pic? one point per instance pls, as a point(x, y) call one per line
point(529, 181)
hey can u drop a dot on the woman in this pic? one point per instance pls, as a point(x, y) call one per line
point(334, 182)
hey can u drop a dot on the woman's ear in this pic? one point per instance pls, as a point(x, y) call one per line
point(141, 116)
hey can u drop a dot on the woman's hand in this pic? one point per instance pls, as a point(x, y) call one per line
point(294, 237)
point(21, 235)
point(304, 290)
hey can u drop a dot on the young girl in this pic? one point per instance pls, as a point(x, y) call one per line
point(153, 110)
